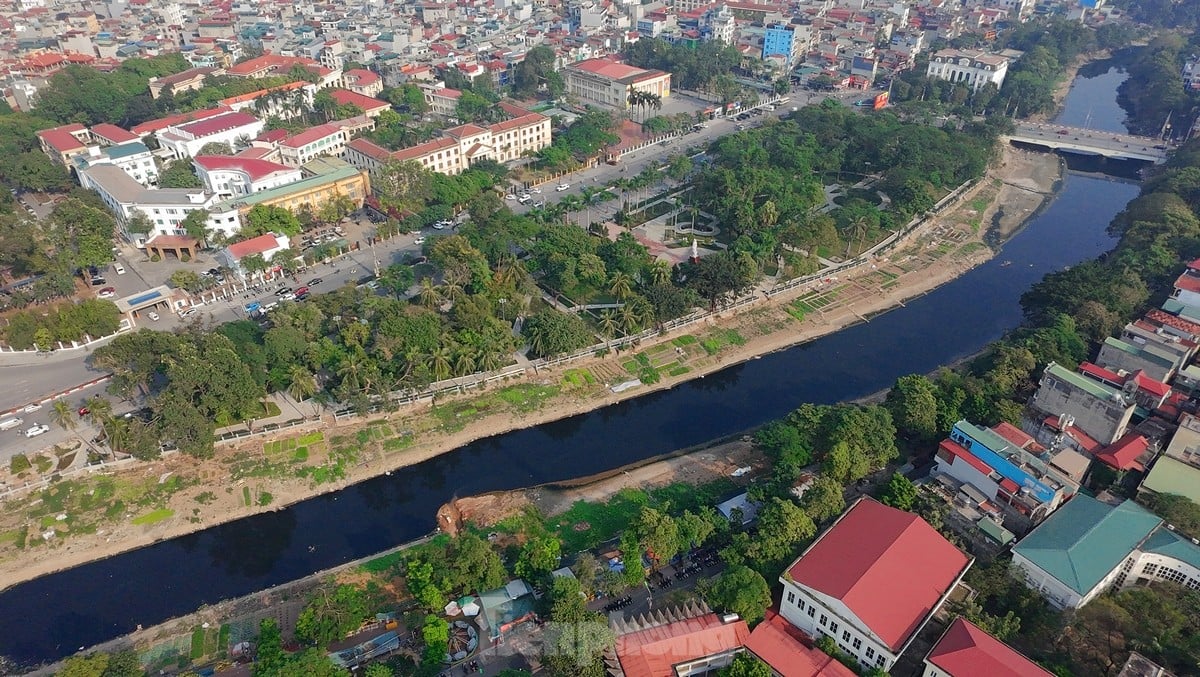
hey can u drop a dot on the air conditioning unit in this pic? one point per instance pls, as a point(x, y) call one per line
point(1171, 527)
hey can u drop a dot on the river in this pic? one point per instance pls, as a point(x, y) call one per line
point(56, 615)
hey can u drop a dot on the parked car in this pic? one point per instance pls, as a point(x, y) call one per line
point(98, 280)
point(187, 312)
point(284, 291)
point(441, 225)
point(510, 196)
point(420, 239)
point(37, 429)
point(84, 411)
point(118, 269)
point(32, 407)
point(153, 316)
point(301, 290)
point(10, 423)
point(562, 186)
point(314, 282)
point(106, 293)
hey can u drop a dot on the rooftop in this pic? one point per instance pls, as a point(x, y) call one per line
point(252, 167)
point(613, 70)
point(967, 651)
point(330, 173)
point(790, 652)
point(1173, 476)
point(1084, 540)
point(889, 567)
point(255, 245)
point(218, 124)
point(366, 103)
point(311, 134)
point(1081, 382)
point(113, 134)
point(151, 126)
point(127, 191)
point(654, 645)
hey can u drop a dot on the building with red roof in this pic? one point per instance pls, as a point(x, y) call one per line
point(1131, 452)
point(152, 126)
point(872, 581)
point(326, 139)
point(681, 641)
point(229, 128)
point(610, 83)
point(370, 106)
point(63, 143)
point(362, 81)
point(790, 652)
point(967, 651)
point(229, 176)
point(108, 134)
point(266, 246)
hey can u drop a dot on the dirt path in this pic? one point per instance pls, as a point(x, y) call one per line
point(210, 494)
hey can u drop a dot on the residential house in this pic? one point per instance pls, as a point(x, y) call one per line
point(781, 41)
point(1088, 547)
point(1187, 285)
point(188, 81)
point(1177, 470)
point(965, 650)
point(675, 642)
point(362, 81)
point(1101, 411)
point(1010, 470)
point(609, 83)
point(230, 128)
point(871, 582)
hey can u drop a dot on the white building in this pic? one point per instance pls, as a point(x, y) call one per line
point(1087, 547)
point(166, 207)
point(134, 158)
point(185, 140)
point(236, 176)
point(871, 582)
point(266, 246)
point(973, 69)
point(326, 139)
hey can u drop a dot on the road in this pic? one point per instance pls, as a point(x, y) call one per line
point(34, 378)
point(1092, 140)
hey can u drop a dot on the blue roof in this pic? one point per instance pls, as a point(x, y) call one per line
point(1170, 544)
point(144, 298)
point(1083, 541)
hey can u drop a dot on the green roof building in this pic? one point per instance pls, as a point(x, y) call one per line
point(1087, 547)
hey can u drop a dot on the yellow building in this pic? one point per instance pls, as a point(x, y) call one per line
point(324, 179)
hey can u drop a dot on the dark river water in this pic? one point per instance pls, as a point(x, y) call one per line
point(55, 615)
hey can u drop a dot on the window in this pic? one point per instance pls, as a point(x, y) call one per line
point(811, 611)
point(879, 661)
point(824, 618)
point(833, 626)
point(845, 635)
point(857, 643)
point(1150, 569)
point(791, 598)
point(870, 653)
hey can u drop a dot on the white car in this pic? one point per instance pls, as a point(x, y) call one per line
point(188, 312)
point(526, 196)
point(562, 186)
point(153, 316)
point(419, 240)
point(510, 196)
point(29, 408)
point(37, 429)
point(440, 225)
point(119, 269)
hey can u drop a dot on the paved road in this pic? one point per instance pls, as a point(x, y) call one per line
point(1092, 139)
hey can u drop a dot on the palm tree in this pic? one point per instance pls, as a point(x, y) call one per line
point(629, 319)
point(62, 414)
point(621, 285)
point(439, 363)
point(464, 363)
point(660, 271)
point(350, 371)
point(99, 407)
point(303, 385)
point(489, 360)
point(430, 295)
point(857, 227)
point(608, 324)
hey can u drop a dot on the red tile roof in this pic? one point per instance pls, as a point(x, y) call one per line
point(310, 135)
point(370, 149)
point(1124, 453)
point(1013, 434)
point(889, 567)
point(61, 138)
point(218, 124)
point(952, 448)
point(654, 652)
point(1152, 386)
point(1188, 283)
point(1174, 321)
point(367, 103)
point(255, 245)
point(151, 126)
point(1086, 441)
point(113, 134)
point(1101, 374)
point(254, 168)
point(362, 77)
point(790, 652)
point(967, 651)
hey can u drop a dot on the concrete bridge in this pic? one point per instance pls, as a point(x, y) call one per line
point(1091, 142)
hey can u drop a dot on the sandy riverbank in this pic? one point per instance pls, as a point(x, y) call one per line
point(952, 244)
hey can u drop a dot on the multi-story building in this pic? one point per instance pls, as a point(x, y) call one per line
point(1007, 467)
point(61, 144)
point(134, 158)
point(781, 42)
point(460, 147)
point(608, 83)
point(717, 24)
point(188, 81)
point(362, 81)
point(1088, 547)
point(322, 180)
point(973, 69)
point(1101, 411)
point(327, 139)
point(231, 128)
point(442, 100)
point(232, 176)
point(965, 650)
point(1191, 73)
point(871, 582)
point(165, 207)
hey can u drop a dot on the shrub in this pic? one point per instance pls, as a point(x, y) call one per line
point(155, 258)
point(19, 464)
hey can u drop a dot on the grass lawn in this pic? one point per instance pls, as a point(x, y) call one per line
point(154, 516)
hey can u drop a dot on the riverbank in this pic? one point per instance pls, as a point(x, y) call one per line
point(207, 492)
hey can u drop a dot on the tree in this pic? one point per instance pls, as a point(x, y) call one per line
point(551, 332)
point(402, 185)
point(899, 492)
point(657, 534)
point(92, 665)
point(913, 403)
point(782, 527)
point(331, 614)
point(301, 383)
point(63, 414)
point(195, 224)
point(216, 148)
point(575, 641)
point(178, 174)
point(741, 590)
point(538, 557)
point(262, 219)
point(269, 659)
point(719, 276)
point(397, 278)
point(188, 280)
point(745, 665)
